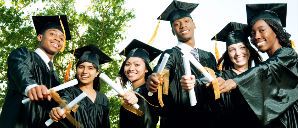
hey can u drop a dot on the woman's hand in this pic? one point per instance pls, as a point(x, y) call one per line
point(130, 98)
point(227, 86)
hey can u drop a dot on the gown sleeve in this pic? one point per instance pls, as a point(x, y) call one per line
point(19, 69)
point(271, 87)
point(106, 115)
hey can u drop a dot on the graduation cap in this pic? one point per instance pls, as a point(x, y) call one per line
point(232, 33)
point(137, 48)
point(274, 11)
point(177, 10)
point(91, 53)
point(42, 23)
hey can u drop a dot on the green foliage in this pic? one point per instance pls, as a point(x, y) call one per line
point(114, 111)
point(105, 21)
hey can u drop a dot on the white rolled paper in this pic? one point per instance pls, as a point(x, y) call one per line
point(163, 62)
point(69, 105)
point(58, 88)
point(191, 93)
point(200, 67)
point(161, 66)
point(116, 87)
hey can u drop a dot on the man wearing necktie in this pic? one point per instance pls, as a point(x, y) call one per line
point(177, 111)
point(31, 74)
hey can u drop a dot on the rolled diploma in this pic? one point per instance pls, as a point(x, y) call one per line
point(200, 67)
point(58, 88)
point(117, 88)
point(191, 93)
point(69, 105)
point(161, 67)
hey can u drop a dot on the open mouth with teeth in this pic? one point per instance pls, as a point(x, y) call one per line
point(55, 45)
point(131, 74)
point(184, 31)
point(259, 44)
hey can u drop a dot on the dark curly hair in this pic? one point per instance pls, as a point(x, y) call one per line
point(282, 35)
point(228, 64)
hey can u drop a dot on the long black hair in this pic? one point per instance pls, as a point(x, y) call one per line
point(282, 35)
point(122, 75)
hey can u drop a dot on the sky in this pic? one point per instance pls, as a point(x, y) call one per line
point(210, 17)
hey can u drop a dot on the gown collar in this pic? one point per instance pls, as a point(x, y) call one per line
point(43, 56)
point(184, 46)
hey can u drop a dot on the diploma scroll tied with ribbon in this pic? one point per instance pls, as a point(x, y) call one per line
point(69, 106)
point(206, 74)
point(57, 88)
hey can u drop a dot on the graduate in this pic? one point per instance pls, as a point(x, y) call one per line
point(270, 88)
point(134, 70)
point(238, 58)
point(177, 111)
point(93, 111)
point(32, 73)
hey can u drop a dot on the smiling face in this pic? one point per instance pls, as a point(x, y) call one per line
point(239, 55)
point(184, 29)
point(264, 38)
point(135, 70)
point(51, 41)
point(86, 73)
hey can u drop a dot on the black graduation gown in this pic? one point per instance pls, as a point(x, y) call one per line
point(233, 111)
point(271, 89)
point(148, 120)
point(26, 68)
point(177, 111)
point(88, 114)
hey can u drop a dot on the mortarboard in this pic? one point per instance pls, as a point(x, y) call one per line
point(177, 10)
point(137, 48)
point(274, 11)
point(232, 33)
point(42, 23)
point(91, 53)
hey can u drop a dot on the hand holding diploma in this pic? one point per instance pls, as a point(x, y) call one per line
point(191, 92)
point(161, 67)
point(69, 106)
point(116, 87)
point(57, 88)
point(207, 75)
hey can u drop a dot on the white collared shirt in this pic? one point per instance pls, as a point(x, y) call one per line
point(43, 56)
point(45, 59)
point(184, 47)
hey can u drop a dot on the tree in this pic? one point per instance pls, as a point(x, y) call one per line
point(102, 24)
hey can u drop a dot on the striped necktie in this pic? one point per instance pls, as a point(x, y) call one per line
point(195, 53)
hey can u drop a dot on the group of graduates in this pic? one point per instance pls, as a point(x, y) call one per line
point(253, 93)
